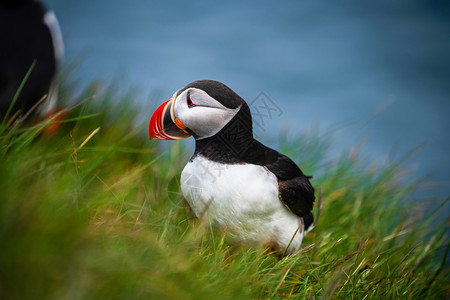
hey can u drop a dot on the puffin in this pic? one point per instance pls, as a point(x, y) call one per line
point(256, 195)
point(30, 34)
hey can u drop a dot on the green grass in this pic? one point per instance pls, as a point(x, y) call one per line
point(95, 212)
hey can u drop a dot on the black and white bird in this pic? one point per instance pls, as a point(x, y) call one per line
point(28, 33)
point(258, 195)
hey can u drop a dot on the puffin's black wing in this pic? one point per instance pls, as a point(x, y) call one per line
point(295, 190)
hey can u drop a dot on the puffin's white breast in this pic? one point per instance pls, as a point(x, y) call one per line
point(244, 199)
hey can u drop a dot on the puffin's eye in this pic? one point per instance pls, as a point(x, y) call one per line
point(189, 102)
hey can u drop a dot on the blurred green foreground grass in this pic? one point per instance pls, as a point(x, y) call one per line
point(95, 212)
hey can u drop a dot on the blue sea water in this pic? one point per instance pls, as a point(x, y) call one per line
point(378, 71)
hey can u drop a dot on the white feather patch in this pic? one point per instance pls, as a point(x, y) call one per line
point(243, 198)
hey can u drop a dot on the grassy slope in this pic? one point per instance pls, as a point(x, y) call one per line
point(107, 221)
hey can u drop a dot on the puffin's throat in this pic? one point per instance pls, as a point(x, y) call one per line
point(232, 142)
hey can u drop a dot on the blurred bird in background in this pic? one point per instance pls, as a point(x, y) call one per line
point(29, 33)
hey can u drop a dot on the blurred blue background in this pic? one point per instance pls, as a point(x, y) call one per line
point(377, 71)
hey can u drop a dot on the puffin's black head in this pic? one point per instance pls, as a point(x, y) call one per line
point(201, 108)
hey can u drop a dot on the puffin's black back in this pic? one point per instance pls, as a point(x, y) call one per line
point(24, 39)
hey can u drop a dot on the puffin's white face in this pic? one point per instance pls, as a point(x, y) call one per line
point(202, 108)
point(201, 113)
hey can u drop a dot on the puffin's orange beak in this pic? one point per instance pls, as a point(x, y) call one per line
point(165, 126)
